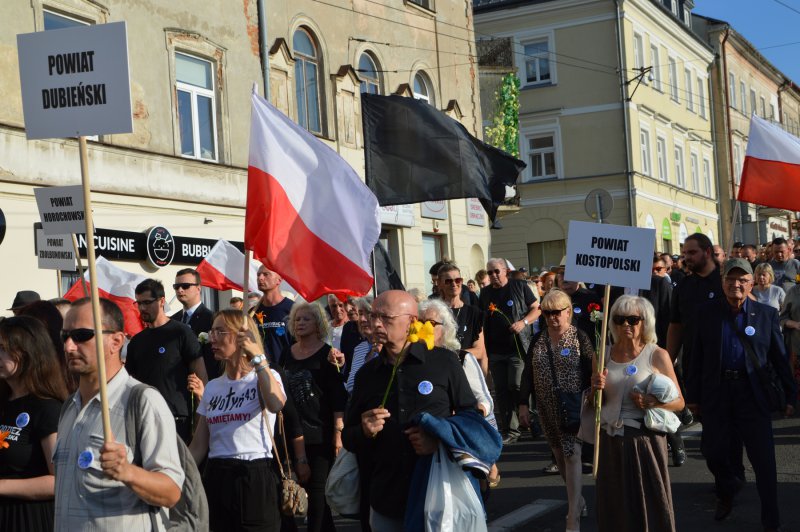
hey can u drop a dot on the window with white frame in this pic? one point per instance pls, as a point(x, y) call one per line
point(687, 17)
point(644, 141)
point(537, 62)
point(707, 177)
point(423, 89)
point(673, 79)
point(194, 80)
point(654, 61)
point(772, 111)
point(679, 170)
point(57, 21)
point(368, 72)
point(542, 155)
point(307, 81)
point(732, 89)
point(638, 51)
point(737, 167)
point(753, 107)
point(689, 94)
point(743, 94)
point(661, 155)
point(694, 168)
point(701, 96)
point(763, 106)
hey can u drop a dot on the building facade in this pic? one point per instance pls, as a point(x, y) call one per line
point(192, 69)
point(745, 83)
point(615, 121)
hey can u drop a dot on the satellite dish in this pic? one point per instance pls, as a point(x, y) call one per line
point(598, 204)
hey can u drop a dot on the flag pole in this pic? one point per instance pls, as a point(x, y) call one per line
point(90, 257)
point(80, 264)
point(58, 282)
point(246, 285)
point(598, 395)
point(374, 274)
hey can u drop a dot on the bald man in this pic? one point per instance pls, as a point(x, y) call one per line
point(380, 435)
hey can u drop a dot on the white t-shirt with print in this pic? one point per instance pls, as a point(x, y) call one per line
point(234, 418)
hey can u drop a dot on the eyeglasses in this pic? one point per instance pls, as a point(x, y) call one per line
point(434, 322)
point(184, 286)
point(457, 280)
point(659, 269)
point(630, 320)
point(81, 335)
point(145, 302)
point(737, 280)
point(554, 312)
point(494, 272)
point(216, 333)
point(384, 318)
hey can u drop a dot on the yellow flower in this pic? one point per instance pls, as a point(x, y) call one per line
point(421, 332)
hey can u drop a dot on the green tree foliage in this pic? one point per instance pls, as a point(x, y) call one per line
point(504, 131)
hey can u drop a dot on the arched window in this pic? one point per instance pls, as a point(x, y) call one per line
point(423, 90)
point(307, 88)
point(368, 72)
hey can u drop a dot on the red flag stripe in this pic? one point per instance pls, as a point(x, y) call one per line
point(130, 312)
point(213, 278)
point(770, 183)
point(283, 240)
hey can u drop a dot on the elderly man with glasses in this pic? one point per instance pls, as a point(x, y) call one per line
point(97, 488)
point(163, 355)
point(510, 309)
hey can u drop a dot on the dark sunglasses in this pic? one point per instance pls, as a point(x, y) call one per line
point(554, 312)
point(457, 280)
point(145, 302)
point(494, 272)
point(659, 269)
point(184, 286)
point(630, 320)
point(80, 335)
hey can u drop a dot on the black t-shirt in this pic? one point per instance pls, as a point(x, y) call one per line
point(29, 419)
point(692, 292)
point(498, 337)
point(581, 317)
point(427, 381)
point(274, 330)
point(469, 324)
point(317, 392)
point(161, 357)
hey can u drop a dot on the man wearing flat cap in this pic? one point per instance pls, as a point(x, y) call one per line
point(23, 297)
point(734, 339)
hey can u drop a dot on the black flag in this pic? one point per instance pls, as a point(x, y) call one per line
point(386, 277)
point(414, 153)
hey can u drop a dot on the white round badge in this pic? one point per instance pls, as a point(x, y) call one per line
point(510, 303)
point(749, 330)
point(711, 295)
point(425, 387)
point(577, 310)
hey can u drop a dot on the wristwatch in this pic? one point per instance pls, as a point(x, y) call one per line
point(525, 321)
point(257, 360)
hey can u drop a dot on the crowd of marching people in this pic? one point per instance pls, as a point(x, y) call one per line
point(275, 414)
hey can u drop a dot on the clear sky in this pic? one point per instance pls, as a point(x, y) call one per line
point(770, 25)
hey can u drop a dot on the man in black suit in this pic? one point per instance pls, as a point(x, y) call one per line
point(723, 386)
point(195, 314)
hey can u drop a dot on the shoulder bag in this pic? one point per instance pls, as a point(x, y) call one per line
point(567, 403)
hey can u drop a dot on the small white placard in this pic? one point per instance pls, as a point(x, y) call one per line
point(476, 214)
point(434, 209)
point(55, 252)
point(61, 209)
point(402, 215)
point(75, 81)
point(610, 254)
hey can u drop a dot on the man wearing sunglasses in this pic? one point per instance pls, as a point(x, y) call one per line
point(195, 314)
point(507, 333)
point(724, 387)
point(163, 355)
point(97, 487)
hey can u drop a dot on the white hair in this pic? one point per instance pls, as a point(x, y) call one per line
point(636, 306)
point(448, 322)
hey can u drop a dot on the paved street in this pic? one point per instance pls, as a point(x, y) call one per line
point(525, 491)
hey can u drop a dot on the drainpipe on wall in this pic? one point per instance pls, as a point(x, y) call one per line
point(726, 245)
point(729, 135)
point(262, 41)
point(625, 118)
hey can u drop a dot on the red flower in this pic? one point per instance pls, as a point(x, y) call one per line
point(591, 307)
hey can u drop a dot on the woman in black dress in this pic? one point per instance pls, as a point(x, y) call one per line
point(32, 389)
point(319, 397)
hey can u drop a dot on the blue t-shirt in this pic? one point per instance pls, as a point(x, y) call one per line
point(272, 323)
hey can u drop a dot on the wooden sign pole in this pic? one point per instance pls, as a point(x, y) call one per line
point(90, 258)
point(80, 264)
point(598, 397)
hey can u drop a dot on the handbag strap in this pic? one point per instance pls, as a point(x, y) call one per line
point(552, 362)
point(265, 419)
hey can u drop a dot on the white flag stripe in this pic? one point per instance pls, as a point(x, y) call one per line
point(770, 142)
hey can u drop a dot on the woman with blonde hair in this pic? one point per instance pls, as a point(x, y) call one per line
point(763, 289)
point(238, 478)
point(319, 397)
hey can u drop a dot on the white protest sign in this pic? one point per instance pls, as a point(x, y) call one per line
point(61, 209)
point(75, 81)
point(610, 254)
point(54, 252)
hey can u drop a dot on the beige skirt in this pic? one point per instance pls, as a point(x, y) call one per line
point(633, 489)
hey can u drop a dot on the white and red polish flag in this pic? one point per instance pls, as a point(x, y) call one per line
point(223, 265)
point(117, 285)
point(309, 216)
point(771, 173)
